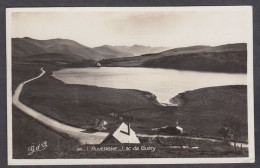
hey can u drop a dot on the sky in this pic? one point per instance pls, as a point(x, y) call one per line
point(169, 27)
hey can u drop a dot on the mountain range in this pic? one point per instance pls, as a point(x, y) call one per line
point(223, 58)
point(26, 47)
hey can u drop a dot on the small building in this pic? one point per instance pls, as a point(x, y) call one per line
point(179, 128)
point(170, 130)
point(98, 65)
point(123, 134)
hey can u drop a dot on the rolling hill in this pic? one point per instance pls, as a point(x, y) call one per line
point(138, 50)
point(109, 50)
point(224, 58)
point(24, 47)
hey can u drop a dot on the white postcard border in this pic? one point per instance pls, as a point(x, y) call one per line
point(251, 144)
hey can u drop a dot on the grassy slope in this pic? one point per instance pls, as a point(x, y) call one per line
point(228, 61)
point(23, 47)
point(231, 61)
point(79, 105)
point(207, 108)
point(226, 58)
point(27, 131)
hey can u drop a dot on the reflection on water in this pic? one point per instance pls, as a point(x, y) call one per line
point(164, 83)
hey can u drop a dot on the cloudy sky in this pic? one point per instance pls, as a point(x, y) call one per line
point(171, 27)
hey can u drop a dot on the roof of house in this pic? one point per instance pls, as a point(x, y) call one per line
point(122, 135)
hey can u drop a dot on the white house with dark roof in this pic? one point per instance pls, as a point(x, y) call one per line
point(123, 134)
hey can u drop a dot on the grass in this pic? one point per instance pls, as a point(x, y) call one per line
point(230, 61)
point(79, 105)
point(205, 106)
point(61, 148)
point(225, 61)
point(27, 131)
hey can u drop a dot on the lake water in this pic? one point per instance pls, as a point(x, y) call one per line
point(163, 83)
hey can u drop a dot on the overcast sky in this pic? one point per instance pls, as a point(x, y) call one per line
point(171, 27)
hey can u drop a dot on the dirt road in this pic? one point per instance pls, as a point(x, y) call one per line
point(77, 133)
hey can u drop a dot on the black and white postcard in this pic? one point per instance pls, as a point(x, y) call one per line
point(130, 85)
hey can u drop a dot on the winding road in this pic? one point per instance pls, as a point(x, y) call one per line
point(76, 133)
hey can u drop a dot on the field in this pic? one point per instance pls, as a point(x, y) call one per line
point(79, 105)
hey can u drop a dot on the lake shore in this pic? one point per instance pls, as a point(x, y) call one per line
point(78, 106)
point(162, 83)
point(86, 103)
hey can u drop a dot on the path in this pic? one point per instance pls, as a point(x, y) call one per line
point(77, 133)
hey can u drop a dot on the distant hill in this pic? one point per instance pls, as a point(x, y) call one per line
point(24, 47)
point(109, 50)
point(229, 61)
point(201, 48)
point(224, 58)
point(137, 50)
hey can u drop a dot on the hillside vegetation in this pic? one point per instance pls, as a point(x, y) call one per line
point(79, 105)
point(200, 114)
point(224, 58)
point(228, 61)
point(207, 108)
point(25, 47)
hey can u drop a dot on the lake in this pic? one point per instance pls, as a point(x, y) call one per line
point(163, 83)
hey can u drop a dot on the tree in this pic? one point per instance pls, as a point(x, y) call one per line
point(224, 132)
point(235, 128)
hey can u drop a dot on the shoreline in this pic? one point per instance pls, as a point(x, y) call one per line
point(172, 100)
point(139, 110)
point(72, 131)
point(149, 95)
